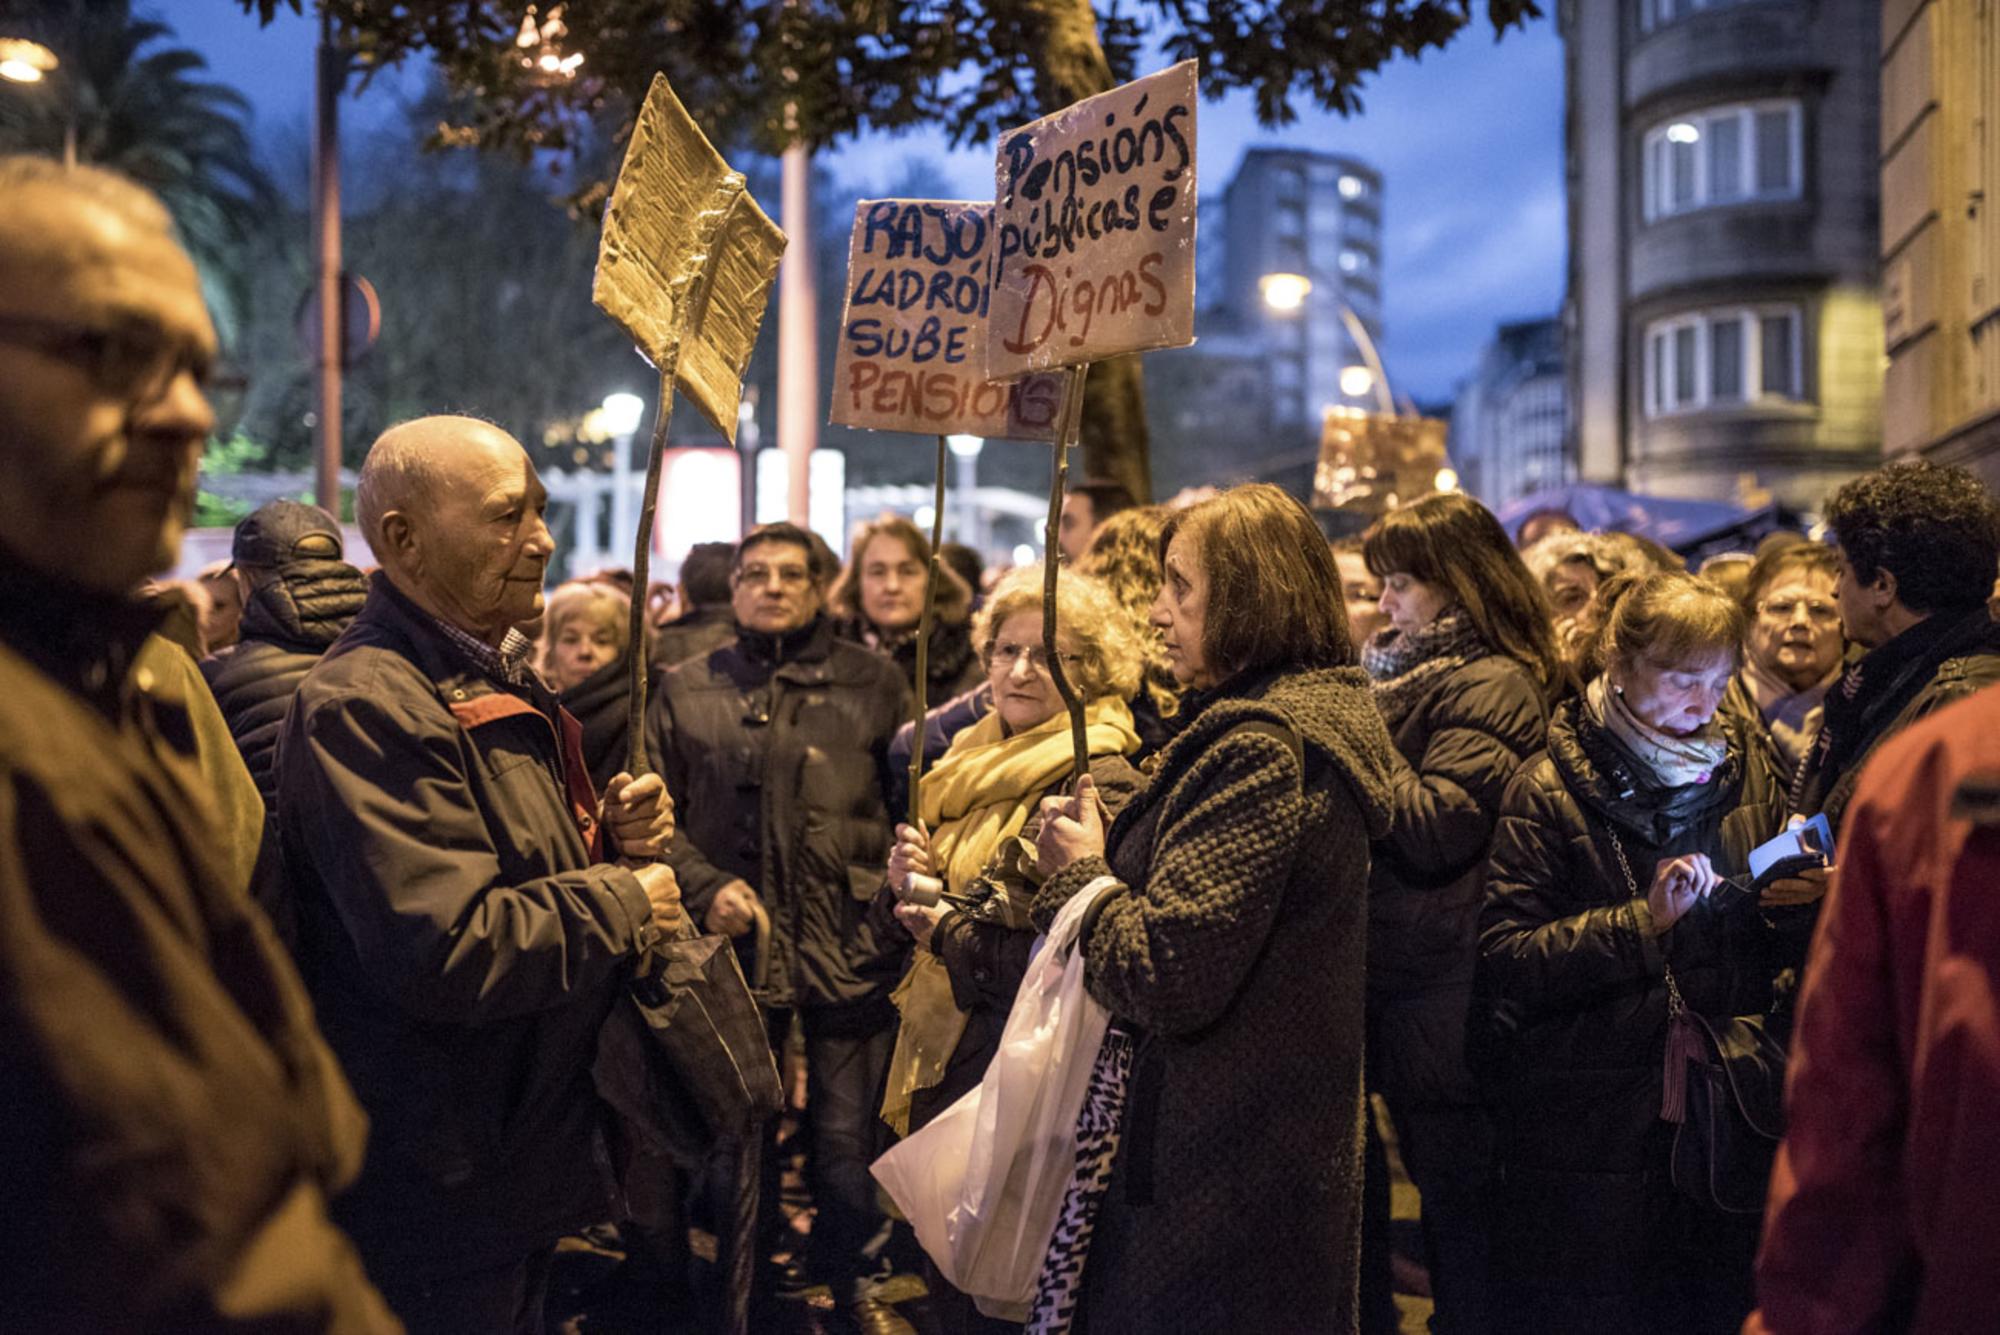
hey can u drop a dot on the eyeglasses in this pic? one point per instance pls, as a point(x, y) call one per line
point(134, 359)
point(1818, 611)
point(1006, 655)
point(789, 577)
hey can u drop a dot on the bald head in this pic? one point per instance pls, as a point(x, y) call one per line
point(453, 510)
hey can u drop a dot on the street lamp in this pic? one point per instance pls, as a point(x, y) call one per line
point(1286, 293)
point(23, 61)
point(540, 45)
point(621, 414)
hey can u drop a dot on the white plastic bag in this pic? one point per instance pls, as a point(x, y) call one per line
point(982, 1184)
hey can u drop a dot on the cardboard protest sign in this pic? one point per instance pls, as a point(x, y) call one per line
point(1095, 220)
point(912, 351)
point(1371, 462)
point(687, 258)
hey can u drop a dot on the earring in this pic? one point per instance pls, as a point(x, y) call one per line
point(1617, 690)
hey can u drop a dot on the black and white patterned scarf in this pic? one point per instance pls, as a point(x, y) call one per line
point(1403, 664)
point(1098, 1130)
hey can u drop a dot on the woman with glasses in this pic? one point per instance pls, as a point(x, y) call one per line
point(1792, 653)
point(981, 812)
point(1605, 909)
point(1218, 1183)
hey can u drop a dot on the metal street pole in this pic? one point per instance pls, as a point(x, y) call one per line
point(330, 73)
point(798, 343)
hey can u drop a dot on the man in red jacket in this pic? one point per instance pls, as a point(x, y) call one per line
point(1885, 1203)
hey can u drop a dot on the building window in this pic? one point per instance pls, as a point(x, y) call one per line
point(1659, 13)
point(1723, 359)
point(1723, 155)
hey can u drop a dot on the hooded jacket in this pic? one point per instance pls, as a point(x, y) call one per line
point(289, 620)
point(1235, 950)
point(1573, 1000)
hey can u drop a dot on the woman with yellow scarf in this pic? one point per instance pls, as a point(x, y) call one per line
point(980, 814)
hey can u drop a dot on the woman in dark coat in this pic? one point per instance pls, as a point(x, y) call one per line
point(879, 598)
point(586, 631)
point(1463, 674)
point(1603, 883)
point(1219, 1166)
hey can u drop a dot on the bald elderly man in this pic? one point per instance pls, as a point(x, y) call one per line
point(467, 906)
point(171, 1124)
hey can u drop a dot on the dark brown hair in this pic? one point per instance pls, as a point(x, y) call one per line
point(1273, 590)
point(1455, 543)
point(1664, 618)
point(954, 598)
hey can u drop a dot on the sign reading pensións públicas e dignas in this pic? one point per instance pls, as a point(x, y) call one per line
point(912, 353)
point(1094, 213)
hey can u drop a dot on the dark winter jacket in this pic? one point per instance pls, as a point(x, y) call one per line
point(952, 666)
point(1463, 742)
point(693, 635)
point(599, 705)
point(463, 936)
point(986, 959)
point(171, 1123)
point(1574, 999)
point(1235, 1200)
point(1943, 658)
point(288, 621)
point(775, 750)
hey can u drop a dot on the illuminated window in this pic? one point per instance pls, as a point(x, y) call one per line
point(1352, 187)
point(1723, 155)
point(1659, 13)
point(1723, 359)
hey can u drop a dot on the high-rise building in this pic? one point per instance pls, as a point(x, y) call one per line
point(1317, 216)
point(1723, 314)
point(1509, 425)
point(1941, 230)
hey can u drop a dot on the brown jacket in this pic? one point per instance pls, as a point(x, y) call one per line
point(171, 1124)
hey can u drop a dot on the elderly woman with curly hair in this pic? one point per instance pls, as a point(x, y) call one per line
point(980, 815)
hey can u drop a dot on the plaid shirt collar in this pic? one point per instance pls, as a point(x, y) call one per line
point(507, 665)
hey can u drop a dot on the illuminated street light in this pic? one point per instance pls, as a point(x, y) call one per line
point(966, 446)
point(1285, 292)
point(623, 413)
point(1683, 132)
point(23, 61)
point(1357, 382)
point(540, 45)
point(1351, 187)
point(1446, 479)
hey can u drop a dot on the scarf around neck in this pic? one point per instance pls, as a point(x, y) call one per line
point(1676, 762)
point(1402, 664)
point(985, 787)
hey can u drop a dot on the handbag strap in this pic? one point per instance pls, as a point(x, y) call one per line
point(1675, 1006)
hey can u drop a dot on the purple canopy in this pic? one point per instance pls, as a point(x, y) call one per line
point(1667, 520)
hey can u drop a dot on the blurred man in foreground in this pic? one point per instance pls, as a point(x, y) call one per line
point(171, 1124)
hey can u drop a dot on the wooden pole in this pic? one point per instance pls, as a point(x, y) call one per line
point(642, 551)
point(924, 619)
point(1072, 416)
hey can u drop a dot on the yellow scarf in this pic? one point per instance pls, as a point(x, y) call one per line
point(980, 795)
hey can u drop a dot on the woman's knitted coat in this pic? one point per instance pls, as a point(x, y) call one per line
point(1235, 1201)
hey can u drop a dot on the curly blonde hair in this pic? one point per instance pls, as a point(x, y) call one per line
point(1125, 555)
point(1110, 660)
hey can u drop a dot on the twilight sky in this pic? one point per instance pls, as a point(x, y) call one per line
point(1469, 141)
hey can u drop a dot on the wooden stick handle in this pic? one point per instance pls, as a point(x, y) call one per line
point(1072, 419)
point(642, 550)
point(924, 620)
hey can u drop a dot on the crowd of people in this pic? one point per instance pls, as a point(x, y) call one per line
point(1436, 840)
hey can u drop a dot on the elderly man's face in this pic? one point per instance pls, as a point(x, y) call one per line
point(105, 344)
point(772, 588)
point(480, 546)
